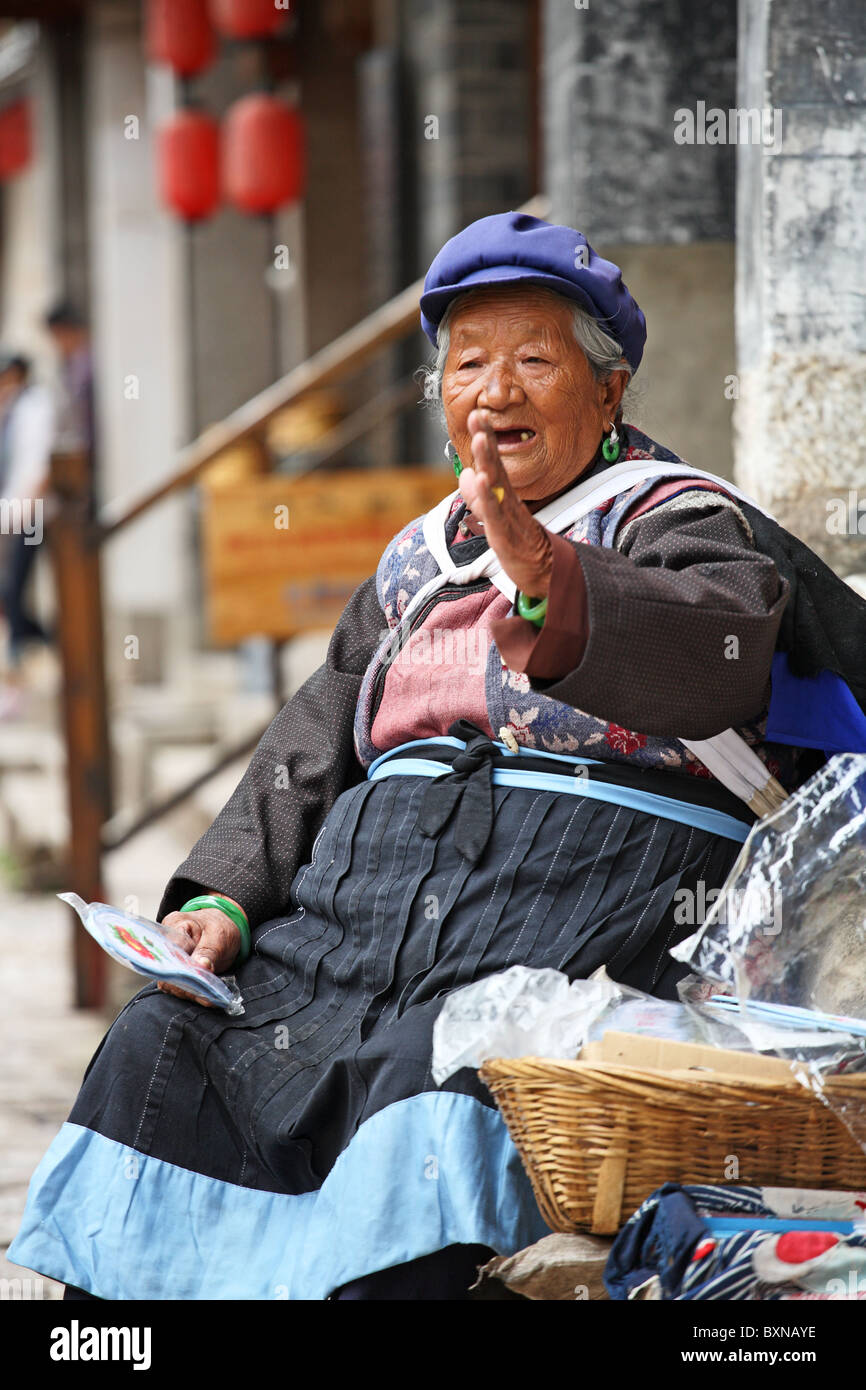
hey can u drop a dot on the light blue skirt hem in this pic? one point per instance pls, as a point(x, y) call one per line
point(432, 1170)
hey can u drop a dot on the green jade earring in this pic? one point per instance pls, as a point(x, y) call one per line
point(610, 445)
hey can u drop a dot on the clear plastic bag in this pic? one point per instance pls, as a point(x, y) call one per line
point(789, 926)
point(147, 948)
point(517, 1013)
point(523, 1012)
point(787, 937)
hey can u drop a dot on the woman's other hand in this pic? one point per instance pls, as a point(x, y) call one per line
point(210, 938)
point(522, 545)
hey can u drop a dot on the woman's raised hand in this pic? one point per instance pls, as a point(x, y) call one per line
point(209, 937)
point(522, 545)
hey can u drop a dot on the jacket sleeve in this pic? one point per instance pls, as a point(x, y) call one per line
point(671, 633)
point(303, 761)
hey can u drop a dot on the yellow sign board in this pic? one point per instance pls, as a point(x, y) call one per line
point(283, 555)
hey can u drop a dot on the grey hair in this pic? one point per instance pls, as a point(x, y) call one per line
point(602, 351)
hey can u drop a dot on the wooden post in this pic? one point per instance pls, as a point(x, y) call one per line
point(76, 556)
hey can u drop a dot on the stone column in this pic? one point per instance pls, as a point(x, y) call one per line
point(136, 310)
point(471, 112)
point(614, 77)
point(801, 272)
point(468, 141)
point(622, 88)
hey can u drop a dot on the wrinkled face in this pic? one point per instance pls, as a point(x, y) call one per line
point(513, 351)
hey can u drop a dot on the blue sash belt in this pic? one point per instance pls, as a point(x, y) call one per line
point(465, 781)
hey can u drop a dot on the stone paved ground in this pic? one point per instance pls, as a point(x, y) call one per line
point(45, 1046)
point(45, 1043)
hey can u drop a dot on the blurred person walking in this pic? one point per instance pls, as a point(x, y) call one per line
point(26, 433)
point(13, 374)
point(75, 417)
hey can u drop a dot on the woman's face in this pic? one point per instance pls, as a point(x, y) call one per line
point(512, 351)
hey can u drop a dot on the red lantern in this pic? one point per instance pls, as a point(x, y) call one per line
point(188, 155)
point(263, 154)
point(179, 33)
point(248, 19)
point(16, 139)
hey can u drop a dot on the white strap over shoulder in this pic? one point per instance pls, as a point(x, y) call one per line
point(558, 515)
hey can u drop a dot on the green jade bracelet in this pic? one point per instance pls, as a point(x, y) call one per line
point(533, 609)
point(232, 910)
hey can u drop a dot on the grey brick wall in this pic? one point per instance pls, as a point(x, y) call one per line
point(613, 77)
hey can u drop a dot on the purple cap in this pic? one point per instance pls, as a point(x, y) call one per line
point(510, 247)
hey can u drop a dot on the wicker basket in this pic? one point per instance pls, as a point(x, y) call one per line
point(597, 1138)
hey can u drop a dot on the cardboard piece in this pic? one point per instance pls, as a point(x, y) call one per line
point(638, 1050)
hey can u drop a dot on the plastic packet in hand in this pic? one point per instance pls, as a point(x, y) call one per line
point(147, 948)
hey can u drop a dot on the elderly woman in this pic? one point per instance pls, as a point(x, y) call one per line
point(507, 773)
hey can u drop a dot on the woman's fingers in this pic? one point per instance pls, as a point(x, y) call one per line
point(183, 929)
point(208, 935)
point(184, 994)
point(484, 483)
point(219, 942)
point(210, 938)
point(487, 463)
point(522, 545)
